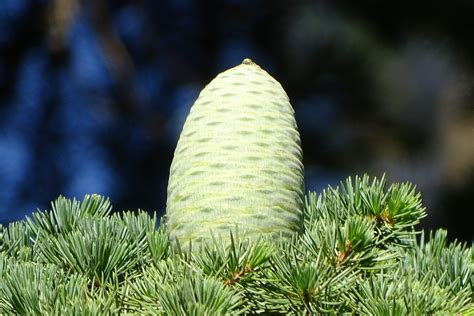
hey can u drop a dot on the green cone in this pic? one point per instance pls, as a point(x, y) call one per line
point(238, 161)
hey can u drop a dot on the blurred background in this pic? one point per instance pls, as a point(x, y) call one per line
point(93, 94)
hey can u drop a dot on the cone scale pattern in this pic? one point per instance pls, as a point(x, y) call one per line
point(238, 161)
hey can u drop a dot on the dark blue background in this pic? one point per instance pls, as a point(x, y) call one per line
point(93, 94)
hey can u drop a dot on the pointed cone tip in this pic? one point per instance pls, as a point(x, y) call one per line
point(248, 61)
